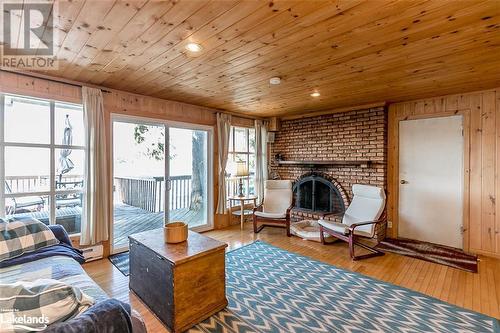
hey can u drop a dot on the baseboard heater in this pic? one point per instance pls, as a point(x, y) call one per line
point(92, 252)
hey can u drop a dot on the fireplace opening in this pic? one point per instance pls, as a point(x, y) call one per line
point(313, 192)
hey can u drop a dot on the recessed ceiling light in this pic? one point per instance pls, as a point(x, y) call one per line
point(193, 47)
point(315, 94)
point(275, 80)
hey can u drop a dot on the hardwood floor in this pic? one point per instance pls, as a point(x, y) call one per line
point(479, 292)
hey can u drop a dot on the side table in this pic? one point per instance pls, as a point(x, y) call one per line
point(242, 212)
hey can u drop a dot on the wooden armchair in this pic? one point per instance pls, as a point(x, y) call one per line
point(276, 207)
point(361, 219)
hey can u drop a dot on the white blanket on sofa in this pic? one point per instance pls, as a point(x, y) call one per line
point(27, 306)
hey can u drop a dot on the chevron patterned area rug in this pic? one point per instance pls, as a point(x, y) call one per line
point(273, 290)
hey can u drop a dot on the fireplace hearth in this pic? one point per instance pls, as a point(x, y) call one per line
point(316, 193)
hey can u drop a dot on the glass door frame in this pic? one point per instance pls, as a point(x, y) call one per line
point(116, 117)
point(210, 168)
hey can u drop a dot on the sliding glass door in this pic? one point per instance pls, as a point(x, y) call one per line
point(188, 176)
point(138, 179)
point(161, 172)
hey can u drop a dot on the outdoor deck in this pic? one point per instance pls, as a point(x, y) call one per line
point(138, 204)
point(127, 220)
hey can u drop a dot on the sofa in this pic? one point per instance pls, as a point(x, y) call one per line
point(63, 262)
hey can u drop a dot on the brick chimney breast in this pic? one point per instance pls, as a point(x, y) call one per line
point(353, 135)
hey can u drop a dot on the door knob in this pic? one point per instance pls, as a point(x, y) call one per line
point(403, 182)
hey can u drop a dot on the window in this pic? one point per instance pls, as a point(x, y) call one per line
point(42, 160)
point(241, 149)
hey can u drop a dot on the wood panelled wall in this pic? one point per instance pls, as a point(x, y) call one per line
point(483, 108)
point(24, 85)
point(481, 112)
point(119, 102)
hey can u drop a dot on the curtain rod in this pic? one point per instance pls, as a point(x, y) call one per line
point(48, 78)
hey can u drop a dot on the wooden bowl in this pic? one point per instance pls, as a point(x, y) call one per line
point(176, 232)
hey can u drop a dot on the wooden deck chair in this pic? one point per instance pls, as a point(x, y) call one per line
point(360, 220)
point(276, 207)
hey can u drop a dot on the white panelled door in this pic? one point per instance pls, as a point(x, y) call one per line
point(431, 166)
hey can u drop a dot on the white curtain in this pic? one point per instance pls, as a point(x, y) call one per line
point(260, 158)
point(95, 221)
point(223, 132)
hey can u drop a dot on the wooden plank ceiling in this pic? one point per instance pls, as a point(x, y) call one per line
point(351, 51)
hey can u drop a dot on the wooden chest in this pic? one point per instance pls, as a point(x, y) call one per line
point(183, 283)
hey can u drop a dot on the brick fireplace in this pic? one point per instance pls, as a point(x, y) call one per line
point(359, 135)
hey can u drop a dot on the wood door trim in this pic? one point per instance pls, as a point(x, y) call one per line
point(466, 172)
point(497, 190)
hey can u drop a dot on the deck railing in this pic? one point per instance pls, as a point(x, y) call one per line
point(24, 184)
point(147, 192)
point(143, 192)
point(180, 193)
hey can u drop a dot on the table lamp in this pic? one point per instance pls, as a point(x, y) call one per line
point(241, 171)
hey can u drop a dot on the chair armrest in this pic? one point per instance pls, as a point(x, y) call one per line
point(355, 225)
point(258, 208)
point(289, 211)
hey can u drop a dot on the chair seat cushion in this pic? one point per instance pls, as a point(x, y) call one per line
point(270, 215)
point(335, 226)
point(341, 228)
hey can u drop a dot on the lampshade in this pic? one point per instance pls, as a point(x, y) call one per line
point(241, 169)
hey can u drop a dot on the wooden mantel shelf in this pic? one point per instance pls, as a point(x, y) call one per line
point(361, 163)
